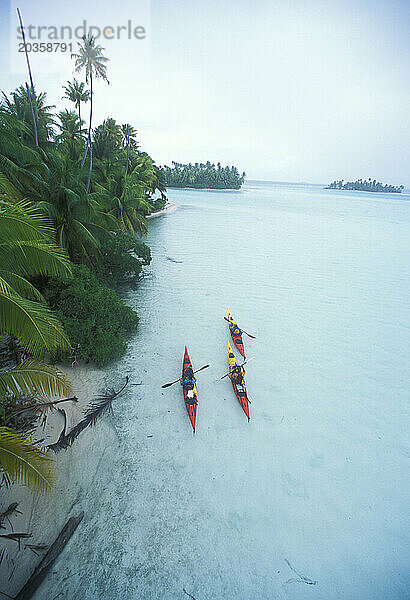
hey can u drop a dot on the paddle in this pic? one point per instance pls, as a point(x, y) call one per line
point(176, 381)
point(244, 363)
point(243, 331)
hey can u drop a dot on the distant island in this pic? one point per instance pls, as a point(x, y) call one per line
point(200, 175)
point(365, 185)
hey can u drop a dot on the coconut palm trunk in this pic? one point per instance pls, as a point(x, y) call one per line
point(33, 103)
point(33, 116)
point(90, 169)
point(88, 144)
point(91, 108)
point(91, 59)
point(128, 149)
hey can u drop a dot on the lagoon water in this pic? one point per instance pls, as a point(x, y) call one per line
point(308, 500)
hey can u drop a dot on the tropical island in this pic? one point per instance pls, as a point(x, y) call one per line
point(203, 175)
point(365, 185)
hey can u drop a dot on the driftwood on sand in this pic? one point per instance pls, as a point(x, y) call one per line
point(96, 409)
point(47, 562)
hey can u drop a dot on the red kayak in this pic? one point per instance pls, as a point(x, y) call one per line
point(236, 337)
point(191, 403)
point(240, 390)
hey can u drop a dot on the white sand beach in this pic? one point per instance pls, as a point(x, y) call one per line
point(44, 516)
point(169, 207)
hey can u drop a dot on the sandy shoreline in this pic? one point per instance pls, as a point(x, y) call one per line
point(206, 189)
point(44, 516)
point(169, 207)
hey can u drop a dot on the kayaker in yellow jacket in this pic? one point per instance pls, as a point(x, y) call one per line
point(237, 374)
point(188, 382)
point(235, 330)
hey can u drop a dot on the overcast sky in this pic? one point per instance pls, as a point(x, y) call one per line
point(294, 91)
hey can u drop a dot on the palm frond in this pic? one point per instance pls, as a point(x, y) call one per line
point(87, 235)
point(19, 285)
point(34, 257)
point(23, 221)
point(32, 377)
point(8, 189)
point(24, 461)
point(33, 323)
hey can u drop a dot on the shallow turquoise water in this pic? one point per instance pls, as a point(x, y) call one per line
point(318, 480)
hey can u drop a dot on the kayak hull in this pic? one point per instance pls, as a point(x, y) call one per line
point(237, 339)
point(190, 407)
point(240, 390)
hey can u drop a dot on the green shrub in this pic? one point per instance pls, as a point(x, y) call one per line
point(122, 257)
point(95, 319)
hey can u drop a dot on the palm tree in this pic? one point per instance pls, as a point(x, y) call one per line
point(113, 130)
point(72, 133)
point(70, 126)
point(76, 92)
point(107, 141)
point(143, 167)
point(20, 105)
point(128, 140)
point(15, 156)
point(24, 461)
point(129, 136)
point(78, 218)
point(160, 183)
point(90, 59)
point(123, 195)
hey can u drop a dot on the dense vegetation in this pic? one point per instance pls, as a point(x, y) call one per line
point(200, 175)
point(365, 185)
point(97, 319)
point(73, 207)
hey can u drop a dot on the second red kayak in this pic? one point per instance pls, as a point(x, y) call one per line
point(190, 396)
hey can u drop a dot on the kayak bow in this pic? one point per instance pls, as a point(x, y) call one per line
point(190, 403)
point(240, 390)
point(237, 339)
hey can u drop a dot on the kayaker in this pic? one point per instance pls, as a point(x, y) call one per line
point(188, 382)
point(235, 330)
point(237, 374)
point(189, 372)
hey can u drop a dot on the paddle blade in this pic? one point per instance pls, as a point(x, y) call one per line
point(248, 360)
point(170, 383)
